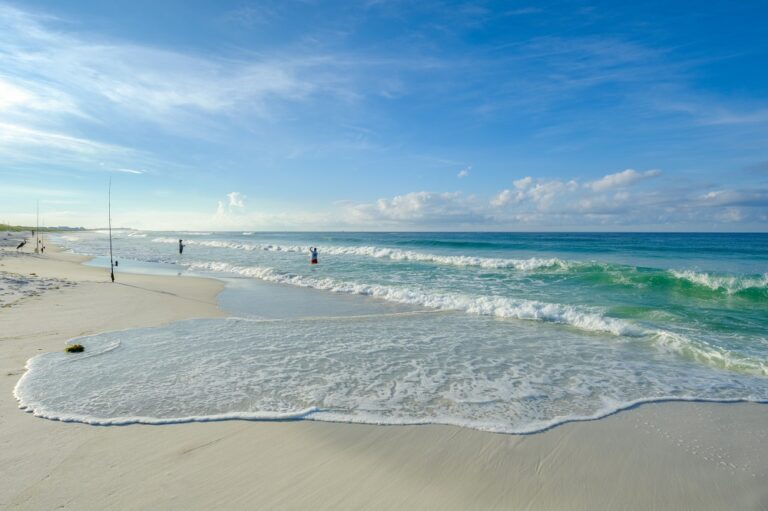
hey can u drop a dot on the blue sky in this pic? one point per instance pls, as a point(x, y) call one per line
point(386, 115)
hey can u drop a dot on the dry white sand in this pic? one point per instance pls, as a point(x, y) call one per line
point(662, 456)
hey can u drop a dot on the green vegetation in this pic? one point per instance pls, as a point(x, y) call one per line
point(23, 228)
point(13, 228)
point(74, 348)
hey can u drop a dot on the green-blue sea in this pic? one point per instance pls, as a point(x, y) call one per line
point(507, 332)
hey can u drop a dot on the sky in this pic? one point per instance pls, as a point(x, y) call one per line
point(385, 115)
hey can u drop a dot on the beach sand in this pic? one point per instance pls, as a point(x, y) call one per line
point(657, 456)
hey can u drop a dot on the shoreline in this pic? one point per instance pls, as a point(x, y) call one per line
point(666, 455)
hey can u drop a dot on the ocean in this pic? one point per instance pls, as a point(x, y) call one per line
point(504, 332)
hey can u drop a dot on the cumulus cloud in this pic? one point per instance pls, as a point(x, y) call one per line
point(612, 202)
point(730, 215)
point(236, 200)
point(619, 179)
point(545, 193)
point(522, 184)
point(463, 172)
point(232, 213)
point(418, 208)
point(501, 198)
point(233, 206)
point(724, 197)
point(616, 199)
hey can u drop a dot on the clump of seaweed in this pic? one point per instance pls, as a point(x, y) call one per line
point(74, 348)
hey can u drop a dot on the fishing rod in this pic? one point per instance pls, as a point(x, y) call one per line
point(37, 229)
point(109, 212)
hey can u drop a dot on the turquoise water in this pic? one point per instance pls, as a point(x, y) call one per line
point(506, 332)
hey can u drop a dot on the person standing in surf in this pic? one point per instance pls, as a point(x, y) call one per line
point(181, 247)
point(313, 254)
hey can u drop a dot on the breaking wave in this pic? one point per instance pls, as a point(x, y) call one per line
point(393, 254)
point(723, 283)
point(498, 306)
point(709, 354)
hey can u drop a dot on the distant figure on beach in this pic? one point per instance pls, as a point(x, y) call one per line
point(181, 247)
point(42, 249)
point(21, 245)
point(313, 252)
point(116, 263)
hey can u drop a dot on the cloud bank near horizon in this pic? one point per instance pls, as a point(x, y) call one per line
point(622, 200)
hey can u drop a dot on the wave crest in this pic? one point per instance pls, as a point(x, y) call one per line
point(708, 354)
point(497, 306)
point(393, 254)
point(722, 283)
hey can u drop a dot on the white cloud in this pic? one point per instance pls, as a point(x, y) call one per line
point(21, 98)
point(730, 215)
point(236, 200)
point(544, 205)
point(619, 179)
point(531, 203)
point(502, 198)
point(131, 171)
point(52, 81)
point(234, 213)
point(145, 81)
point(89, 76)
point(13, 135)
point(12, 96)
point(522, 184)
point(233, 206)
point(418, 208)
point(464, 172)
point(545, 193)
point(734, 198)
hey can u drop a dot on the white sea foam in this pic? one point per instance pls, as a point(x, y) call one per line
point(393, 254)
point(504, 307)
point(729, 284)
point(436, 368)
point(584, 318)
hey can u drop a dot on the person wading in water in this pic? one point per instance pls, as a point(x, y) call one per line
point(181, 247)
point(313, 253)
